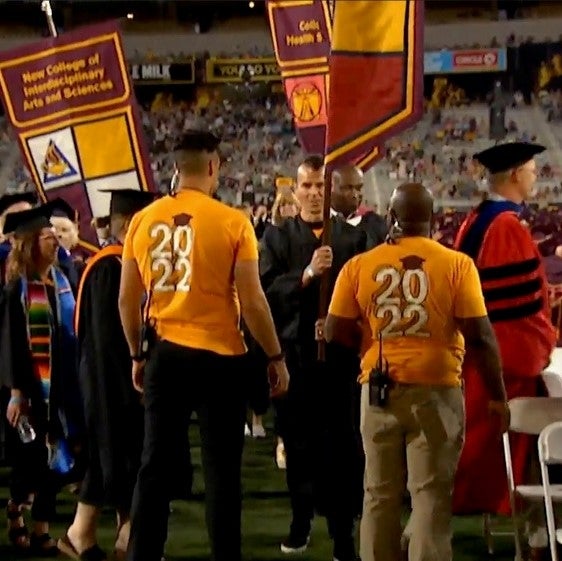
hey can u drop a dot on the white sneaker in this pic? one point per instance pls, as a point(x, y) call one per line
point(258, 431)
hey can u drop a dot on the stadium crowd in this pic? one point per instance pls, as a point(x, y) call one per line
point(258, 146)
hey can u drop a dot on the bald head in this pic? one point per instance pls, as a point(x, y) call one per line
point(347, 174)
point(412, 206)
point(347, 189)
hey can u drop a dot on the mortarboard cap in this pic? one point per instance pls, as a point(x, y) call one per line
point(503, 157)
point(61, 208)
point(36, 218)
point(8, 200)
point(198, 141)
point(128, 201)
point(28, 220)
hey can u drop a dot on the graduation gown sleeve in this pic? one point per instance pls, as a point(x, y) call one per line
point(103, 347)
point(516, 293)
point(16, 366)
point(281, 279)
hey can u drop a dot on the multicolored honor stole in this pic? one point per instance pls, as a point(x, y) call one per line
point(41, 322)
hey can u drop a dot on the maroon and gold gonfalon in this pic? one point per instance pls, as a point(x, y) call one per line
point(353, 75)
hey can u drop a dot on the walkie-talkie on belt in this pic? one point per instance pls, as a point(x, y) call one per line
point(379, 380)
point(148, 331)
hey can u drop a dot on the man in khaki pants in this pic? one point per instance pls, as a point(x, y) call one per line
point(421, 299)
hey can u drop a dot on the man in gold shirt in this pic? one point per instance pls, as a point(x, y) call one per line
point(198, 261)
point(419, 298)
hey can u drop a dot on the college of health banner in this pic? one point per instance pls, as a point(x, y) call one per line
point(301, 31)
point(376, 75)
point(71, 103)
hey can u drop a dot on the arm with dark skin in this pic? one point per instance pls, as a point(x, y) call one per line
point(343, 331)
point(481, 343)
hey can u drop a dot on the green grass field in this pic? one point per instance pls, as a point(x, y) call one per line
point(265, 519)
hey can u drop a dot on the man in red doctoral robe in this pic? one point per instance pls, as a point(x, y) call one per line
point(516, 294)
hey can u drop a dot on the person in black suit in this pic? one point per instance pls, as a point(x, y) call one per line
point(347, 194)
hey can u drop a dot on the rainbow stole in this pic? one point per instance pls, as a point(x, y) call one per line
point(40, 323)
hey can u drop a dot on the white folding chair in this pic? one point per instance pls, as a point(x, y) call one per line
point(552, 375)
point(553, 383)
point(550, 453)
point(529, 415)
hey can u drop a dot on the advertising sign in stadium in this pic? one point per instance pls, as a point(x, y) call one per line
point(224, 71)
point(175, 73)
point(461, 62)
point(232, 70)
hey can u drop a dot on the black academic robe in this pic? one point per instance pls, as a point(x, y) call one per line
point(321, 395)
point(4, 392)
point(112, 407)
point(286, 250)
point(375, 227)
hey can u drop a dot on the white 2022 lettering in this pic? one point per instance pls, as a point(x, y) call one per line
point(170, 257)
point(405, 308)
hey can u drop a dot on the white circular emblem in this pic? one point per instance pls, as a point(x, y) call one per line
point(489, 59)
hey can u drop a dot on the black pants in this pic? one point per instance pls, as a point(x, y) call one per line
point(318, 421)
point(177, 381)
point(31, 474)
point(258, 384)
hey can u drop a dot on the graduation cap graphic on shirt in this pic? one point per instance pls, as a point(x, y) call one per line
point(412, 262)
point(55, 164)
point(182, 219)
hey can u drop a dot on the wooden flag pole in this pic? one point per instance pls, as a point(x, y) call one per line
point(324, 300)
point(46, 8)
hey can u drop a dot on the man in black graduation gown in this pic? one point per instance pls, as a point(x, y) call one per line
point(347, 194)
point(113, 410)
point(315, 419)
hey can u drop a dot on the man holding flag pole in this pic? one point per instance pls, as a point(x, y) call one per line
point(320, 60)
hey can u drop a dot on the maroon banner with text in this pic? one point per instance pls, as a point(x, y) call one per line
point(71, 102)
point(301, 32)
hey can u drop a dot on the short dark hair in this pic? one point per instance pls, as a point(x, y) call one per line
point(315, 162)
point(198, 141)
point(193, 150)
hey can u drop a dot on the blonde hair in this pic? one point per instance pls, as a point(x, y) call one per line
point(282, 199)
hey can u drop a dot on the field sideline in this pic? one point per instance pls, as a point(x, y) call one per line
point(265, 518)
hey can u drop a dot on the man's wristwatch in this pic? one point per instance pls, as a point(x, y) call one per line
point(309, 272)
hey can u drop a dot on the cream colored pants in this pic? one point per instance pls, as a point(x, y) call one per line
point(417, 438)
